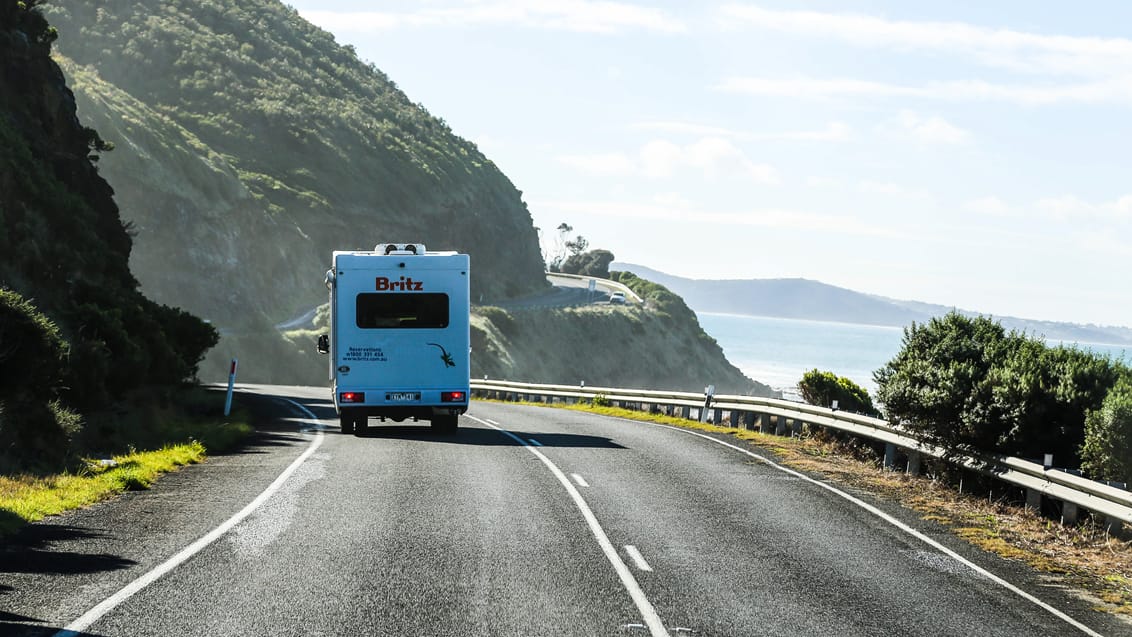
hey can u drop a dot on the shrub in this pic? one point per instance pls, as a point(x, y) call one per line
point(822, 388)
point(32, 353)
point(1107, 451)
point(963, 382)
point(592, 263)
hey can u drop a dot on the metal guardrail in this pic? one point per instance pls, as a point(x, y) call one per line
point(600, 282)
point(782, 417)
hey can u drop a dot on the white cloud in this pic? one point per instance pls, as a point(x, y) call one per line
point(688, 128)
point(815, 181)
point(930, 130)
point(881, 188)
point(683, 211)
point(606, 164)
point(713, 157)
point(992, 206)
point(1065, 208)
point(890, 189)
point(833, 131)
point(584, 16)
point(1111, 90)
point(1069, 207)
point(1000, 48)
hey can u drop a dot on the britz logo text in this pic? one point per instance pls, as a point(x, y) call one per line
point(405, 285)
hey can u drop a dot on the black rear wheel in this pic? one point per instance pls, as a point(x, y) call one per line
point(346, 422)
point(361, 424)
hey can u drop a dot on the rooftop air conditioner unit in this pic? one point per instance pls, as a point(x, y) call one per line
point(399, 248)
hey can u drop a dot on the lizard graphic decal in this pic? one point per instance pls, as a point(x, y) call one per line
point(444, 355)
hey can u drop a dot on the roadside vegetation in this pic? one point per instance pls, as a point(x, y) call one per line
point(966, 384)
point(124, 451)
point(1082, 557)
point(96, 379)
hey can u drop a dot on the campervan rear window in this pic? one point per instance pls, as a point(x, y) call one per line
point(391, 310)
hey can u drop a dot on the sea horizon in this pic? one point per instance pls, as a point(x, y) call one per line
point(778, 351)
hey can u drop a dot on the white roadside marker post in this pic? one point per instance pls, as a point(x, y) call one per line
point(231, 383)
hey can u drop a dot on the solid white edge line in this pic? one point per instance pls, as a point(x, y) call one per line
point(637, 558)
point(128, 591)
point(894, 522)
point(581, 482)
point(648, 613)
point(534, 442)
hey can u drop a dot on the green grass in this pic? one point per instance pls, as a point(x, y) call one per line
point(149, 441)
point(30, 498)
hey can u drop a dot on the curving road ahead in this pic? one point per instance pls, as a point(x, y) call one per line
point(530, 521)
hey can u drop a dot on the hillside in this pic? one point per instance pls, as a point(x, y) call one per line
point(812, 300)
point(610, 346)
point(76, 334)
point(251, 145)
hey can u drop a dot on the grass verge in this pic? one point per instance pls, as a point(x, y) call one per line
point(1082, 558)
point(179, 432)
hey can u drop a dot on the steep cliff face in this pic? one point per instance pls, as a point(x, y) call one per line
point(62, 243)
point(60, 229)
point(251, 145)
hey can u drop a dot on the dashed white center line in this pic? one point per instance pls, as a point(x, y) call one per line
point(648, 611)
point(637, 558)
point(534, 442)
point(579, 480)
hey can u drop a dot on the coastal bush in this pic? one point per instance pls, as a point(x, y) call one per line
point(967, 384)
point(822, 388)
point(1107, 451)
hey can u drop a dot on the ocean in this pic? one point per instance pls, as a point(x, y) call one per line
point(778, 351)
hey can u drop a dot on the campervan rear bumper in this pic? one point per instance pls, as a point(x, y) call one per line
point(399, 403)
point(399, 413)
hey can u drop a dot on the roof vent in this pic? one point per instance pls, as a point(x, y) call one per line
point(399, 248)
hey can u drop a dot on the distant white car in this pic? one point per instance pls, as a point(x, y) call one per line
point(617, 298)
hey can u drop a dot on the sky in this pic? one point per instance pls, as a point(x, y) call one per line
point(971, 154)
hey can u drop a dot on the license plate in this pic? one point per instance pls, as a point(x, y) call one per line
point(403, 397)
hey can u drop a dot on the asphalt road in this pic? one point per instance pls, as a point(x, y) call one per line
point(530, 521)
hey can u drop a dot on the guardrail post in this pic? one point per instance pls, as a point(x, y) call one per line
point(797, 433)
point(765, 424)
point(1068, 513)
point(889, 456)
point(914, 459)
point(1113, 525)
point(1033, 499)
point(780, 425)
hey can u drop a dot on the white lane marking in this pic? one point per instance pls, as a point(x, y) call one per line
point(648, 613)
point(579, 480)
point(534, 442)
point(898, 524)
point(492, 422)
point(638, 559)
point(108, 604)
